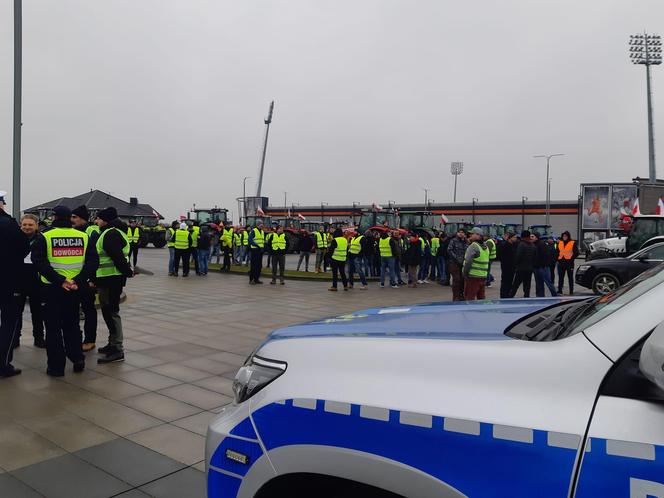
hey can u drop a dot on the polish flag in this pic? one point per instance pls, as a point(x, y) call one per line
point(377, 207)
point(635, 210)
point(301, 217)
point(260, 212)
point(660, 206)
point(289, 213)
point(443, 218)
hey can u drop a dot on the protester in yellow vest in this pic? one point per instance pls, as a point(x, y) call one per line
point(256, 246)
point(227, 246)
point(321, 248)
point(114, 269)
point(476, 266)
point(134, 234)
point(338, 255)
point(278, 243)
point(193, 250)
point(66, 261)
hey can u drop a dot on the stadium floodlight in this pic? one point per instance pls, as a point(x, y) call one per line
point(646, 50)
point(456, 169)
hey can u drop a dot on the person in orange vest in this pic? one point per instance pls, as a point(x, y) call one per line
point(567, 251)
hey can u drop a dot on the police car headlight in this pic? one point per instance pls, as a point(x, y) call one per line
point(254, 375)
point(583, 268)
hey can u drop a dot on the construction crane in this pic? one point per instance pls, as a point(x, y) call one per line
point(267, 121)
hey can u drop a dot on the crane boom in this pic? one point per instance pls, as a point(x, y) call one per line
point(267, 121)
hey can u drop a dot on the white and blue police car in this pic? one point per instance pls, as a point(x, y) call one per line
point(542, 398)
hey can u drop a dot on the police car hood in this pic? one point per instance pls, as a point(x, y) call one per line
point(478, 320)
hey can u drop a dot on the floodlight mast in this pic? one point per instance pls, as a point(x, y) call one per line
point(267, 122)
point(646, 50)
point(456, 169)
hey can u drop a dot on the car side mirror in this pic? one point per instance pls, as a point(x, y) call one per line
point(651, 362)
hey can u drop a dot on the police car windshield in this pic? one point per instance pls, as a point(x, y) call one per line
point(569, 318)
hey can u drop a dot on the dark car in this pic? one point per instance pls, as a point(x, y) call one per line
point(606, 275)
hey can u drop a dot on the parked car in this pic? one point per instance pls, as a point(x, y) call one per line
point(607, 274)
point(513, 398)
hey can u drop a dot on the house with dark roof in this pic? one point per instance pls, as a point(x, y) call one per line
point(96, 200)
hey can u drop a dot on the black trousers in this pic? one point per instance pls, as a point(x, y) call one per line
point(522, 277)
point(8, 315)
point(110, 293)
point(565, 267)
point(133, 252)
point(506, 281)
point(194, 255)
point(227, 258)
point(338, 268)
point(184, 255)
point(90, 312)
point(256, 265)
point(36, 299)
point(63, 337)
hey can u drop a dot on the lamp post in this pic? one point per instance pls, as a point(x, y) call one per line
point(475, 201)
point(456, 169)
point(322, 211)
point(244, 197)
point(548, 184)
point(285, 203)
point(355, 206)
point(426, 198)
point(523, 212)
point(646, 50)
point(18, 73)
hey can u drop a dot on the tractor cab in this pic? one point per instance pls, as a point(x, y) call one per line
point(452, 228)
point(215, 215)
point(153, 232)
point(544, 231)
point(375, 219)
point(492, 230)
point(418, 222)
point(252, 221)
point(516, 228)
point(646, 230)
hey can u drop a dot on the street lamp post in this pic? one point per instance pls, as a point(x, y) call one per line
point(18, 72)
point(322, 211)
point(456, 169)
point(523, 212)
point(548, 184)
point(475, 201)
point(426, 198)
point(646, 50)
point(285, 203)
point(244, 197)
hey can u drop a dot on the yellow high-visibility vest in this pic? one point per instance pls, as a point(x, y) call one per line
point(107, 267)
point(65, 250)
point(385, 247)
point(341, 251)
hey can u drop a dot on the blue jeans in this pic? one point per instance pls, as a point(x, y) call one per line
point(355, 264)
point(244, 255)
point(215, 252)
point(442, 269)
point(236, 254)
point(203, 259)
point(171, 260)
point(387, 262)
point(424, 268)
point(542, 278)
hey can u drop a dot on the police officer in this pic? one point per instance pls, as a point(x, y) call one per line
point(14, 247)
point(66, 261)
point(80, 217)
point(256, 247)
point(114, 269)
point(134, 236)
point(29, 288)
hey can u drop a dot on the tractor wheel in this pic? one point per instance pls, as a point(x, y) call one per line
point(159, 243)
point(292, 242)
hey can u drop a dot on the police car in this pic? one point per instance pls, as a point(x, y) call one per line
point(552, 397)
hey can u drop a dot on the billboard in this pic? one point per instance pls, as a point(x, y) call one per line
point(596, 209)
point(623, 198)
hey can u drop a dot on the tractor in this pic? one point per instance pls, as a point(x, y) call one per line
point(293, 230)
point(380, 220)
point(418, 222)
point(215, 215)
point(153, 232)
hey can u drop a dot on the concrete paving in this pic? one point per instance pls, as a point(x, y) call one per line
point(137, 428)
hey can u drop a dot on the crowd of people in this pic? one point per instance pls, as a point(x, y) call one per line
point(60, 271)
point(397, 257)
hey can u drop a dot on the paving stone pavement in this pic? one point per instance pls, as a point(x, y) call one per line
point(138, 428)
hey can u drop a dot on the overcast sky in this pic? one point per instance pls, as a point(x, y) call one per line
point(164, 99)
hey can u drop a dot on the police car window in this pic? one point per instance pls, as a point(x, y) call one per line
point(569, 318)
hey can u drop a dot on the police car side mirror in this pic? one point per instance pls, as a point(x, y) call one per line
point(651, 362)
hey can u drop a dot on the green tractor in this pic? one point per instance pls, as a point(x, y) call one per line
point(418, 222)
point(153, 232)
point(215, 215)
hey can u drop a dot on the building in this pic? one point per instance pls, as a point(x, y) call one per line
point(96, 200)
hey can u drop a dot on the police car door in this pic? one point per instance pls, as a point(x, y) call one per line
point(624, 448)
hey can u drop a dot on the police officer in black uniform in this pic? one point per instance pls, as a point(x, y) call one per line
point(80, 219)
point(14, 247)
point(66, 261)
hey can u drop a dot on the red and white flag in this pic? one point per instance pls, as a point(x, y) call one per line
point(660, 206)
point(259, 211)
point(289, 214)
point(301, 217)
point(377, 207)
point(443, 218)
point(635, 209)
